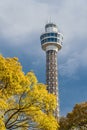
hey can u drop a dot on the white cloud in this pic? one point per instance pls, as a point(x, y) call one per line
point(20, 20)
point(73, 60)
point(70, 67)
point(20, 17)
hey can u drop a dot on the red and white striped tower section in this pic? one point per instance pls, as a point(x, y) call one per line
point(51, 42)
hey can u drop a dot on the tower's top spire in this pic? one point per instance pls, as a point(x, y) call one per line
point(50, 20)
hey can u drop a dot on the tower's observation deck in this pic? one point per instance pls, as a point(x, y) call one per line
point(51, 37)
point(51, 42)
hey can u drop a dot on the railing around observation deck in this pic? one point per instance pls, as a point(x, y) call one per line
point(51, 37)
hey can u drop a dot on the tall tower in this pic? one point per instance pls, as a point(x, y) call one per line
point(51, 42)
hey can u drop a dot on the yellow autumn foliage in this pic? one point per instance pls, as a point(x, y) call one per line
point(2, 125)
point(24, 103)
point(76, 119)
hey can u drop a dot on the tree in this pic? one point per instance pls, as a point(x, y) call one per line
point(75, 119)
point(63, 123)
point(24, 103)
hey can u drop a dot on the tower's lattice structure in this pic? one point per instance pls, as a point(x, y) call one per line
point(51, 42)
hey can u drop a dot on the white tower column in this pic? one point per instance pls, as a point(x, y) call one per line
point(52, 76)
point(51, 42)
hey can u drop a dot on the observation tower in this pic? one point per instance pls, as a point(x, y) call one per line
point(51, 42)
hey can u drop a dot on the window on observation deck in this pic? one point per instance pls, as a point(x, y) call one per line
point(52, 34)
point(55, 34)
point(49, 35)
point(49, 40)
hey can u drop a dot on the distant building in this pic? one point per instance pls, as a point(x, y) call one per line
point(51, 42)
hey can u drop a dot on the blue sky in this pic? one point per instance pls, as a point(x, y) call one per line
point(21, 24)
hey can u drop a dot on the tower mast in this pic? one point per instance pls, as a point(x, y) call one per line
point(51, 42)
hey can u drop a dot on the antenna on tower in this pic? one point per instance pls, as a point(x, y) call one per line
point(49, 20)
